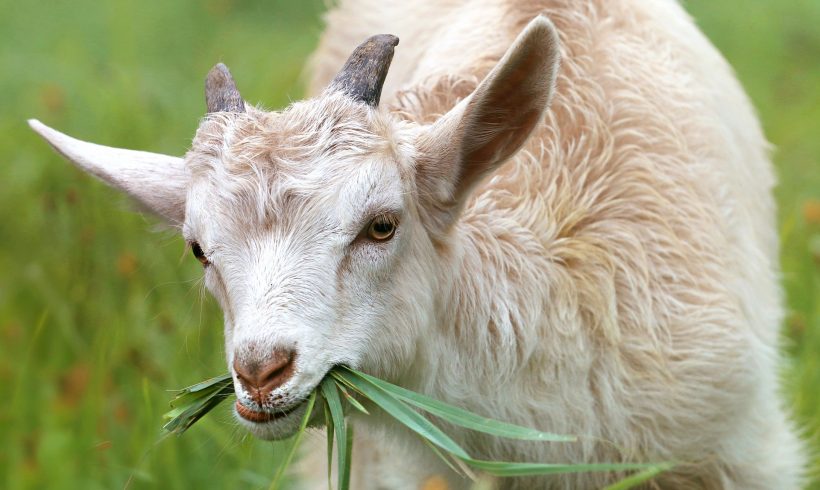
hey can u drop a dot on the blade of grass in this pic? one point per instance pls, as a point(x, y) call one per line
point(454, 463)
point(502, 468)
point(404, 414)
point(296, 440)
point(188, 406)
point(641, 477)
point(195, 401)
point(331, 394)
point(344, 471)
point(187, 411)
point(498, 468)
point(449, 460)
point(352, 400)
point(208, 383)
point(458, 416)
point(184, 400)
point(329, 429)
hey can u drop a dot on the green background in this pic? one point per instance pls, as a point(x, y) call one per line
point(100, 316)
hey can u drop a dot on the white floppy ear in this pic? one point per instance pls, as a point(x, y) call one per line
point(488, 127)
point(158, 182)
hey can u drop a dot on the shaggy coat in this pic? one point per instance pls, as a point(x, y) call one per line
point(617, 278)
point(607, 268)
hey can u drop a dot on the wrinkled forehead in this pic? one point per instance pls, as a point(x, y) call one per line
point(326, 155)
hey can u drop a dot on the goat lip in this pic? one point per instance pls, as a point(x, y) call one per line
point(262, 417)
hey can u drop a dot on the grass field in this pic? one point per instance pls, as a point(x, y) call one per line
point(99, 316)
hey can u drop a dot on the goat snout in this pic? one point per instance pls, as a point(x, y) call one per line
point(260, 378)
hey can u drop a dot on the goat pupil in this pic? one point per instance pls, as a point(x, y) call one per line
point(381, 229)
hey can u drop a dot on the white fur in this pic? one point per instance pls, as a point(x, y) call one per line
point(615, 278)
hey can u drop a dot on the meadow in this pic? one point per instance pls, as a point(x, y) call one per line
point(102, 311)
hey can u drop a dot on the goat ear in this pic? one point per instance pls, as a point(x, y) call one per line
point(488, 127)
point(158, 182)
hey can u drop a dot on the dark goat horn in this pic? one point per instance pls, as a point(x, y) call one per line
point(221, 94)
point(363, 75)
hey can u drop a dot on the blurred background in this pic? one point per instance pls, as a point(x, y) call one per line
point(102, 312)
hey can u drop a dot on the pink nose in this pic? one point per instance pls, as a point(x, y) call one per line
point(260, 378)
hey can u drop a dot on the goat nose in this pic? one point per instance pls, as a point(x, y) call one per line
point(260, 378)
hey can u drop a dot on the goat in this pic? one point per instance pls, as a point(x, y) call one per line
point(607, 267)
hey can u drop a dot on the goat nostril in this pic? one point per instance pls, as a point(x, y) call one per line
point(260, 378)
point(245, 375)
point(277, 371)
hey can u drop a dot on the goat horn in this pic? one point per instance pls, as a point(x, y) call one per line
point(221, 94)
point(364, 72)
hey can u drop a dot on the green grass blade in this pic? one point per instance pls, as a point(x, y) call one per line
point(194, 402)
point(502, 468)
point(329, 429)
point(344, 471)
point(331, 394)
point(640, 477)
point(461, 417)
point(186, 399)
point(189, 415)
point(448, 460)
point(214, 386)
point(174, 413)
point(209, 383)
point(402, 413)
point(274, 484)
point(352, 400)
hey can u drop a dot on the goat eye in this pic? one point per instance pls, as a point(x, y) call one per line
point(381, 229)
point(198, 253)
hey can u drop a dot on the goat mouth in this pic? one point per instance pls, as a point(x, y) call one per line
point(258, 417)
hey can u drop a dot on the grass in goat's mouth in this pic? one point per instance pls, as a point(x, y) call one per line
point(338, 391)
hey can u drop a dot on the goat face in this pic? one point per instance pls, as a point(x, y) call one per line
point(321, 228)
point(312, 244)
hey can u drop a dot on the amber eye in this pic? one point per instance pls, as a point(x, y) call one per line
point(381, 229)
point(198, 253)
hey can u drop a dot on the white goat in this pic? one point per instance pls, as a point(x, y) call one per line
point(613, 276)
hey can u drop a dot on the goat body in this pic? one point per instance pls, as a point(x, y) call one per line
point(608, 270)
point(617, 278)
